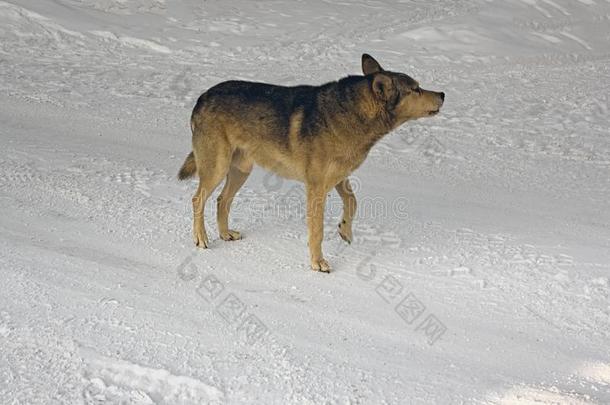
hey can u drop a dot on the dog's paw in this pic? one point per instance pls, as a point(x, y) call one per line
point(321, 266)
point(230, 235)
point(201, 240)
point(345, 232)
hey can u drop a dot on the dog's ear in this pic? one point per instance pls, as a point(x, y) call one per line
point(385, 89)
point(370, 65)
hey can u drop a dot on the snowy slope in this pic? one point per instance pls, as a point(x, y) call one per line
point(480, 270)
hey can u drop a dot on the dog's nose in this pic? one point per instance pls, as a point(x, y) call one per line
point(443, 96)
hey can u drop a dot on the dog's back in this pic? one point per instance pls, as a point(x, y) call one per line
point(259, 104)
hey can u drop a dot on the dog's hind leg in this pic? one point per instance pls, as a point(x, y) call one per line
point(346, 193)
point(238, 173)
point(213, 158)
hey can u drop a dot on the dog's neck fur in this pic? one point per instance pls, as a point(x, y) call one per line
point(357, 103)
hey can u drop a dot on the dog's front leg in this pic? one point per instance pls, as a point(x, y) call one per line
point(316, 199)
point(349, 209)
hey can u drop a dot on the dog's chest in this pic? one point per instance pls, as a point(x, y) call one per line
point(344, 164)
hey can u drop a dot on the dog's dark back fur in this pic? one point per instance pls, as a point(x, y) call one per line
point(279, 103)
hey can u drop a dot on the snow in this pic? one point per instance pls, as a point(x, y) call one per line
point(481, 262)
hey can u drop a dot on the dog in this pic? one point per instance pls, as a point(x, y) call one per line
point(314, 134)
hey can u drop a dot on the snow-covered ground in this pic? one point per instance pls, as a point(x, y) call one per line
point(481, 265)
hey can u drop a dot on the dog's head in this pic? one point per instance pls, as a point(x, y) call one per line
point(399, 93)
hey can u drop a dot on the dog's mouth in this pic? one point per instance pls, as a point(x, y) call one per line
point(433, 112)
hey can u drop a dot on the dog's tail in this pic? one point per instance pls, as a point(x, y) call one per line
point(189, 167)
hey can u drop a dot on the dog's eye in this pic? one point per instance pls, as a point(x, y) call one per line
point(418, 91)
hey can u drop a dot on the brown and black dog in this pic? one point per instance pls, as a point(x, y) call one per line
point(315, 134)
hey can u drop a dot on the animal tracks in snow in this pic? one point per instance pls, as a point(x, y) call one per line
point(119, 381)
point(141, 180)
